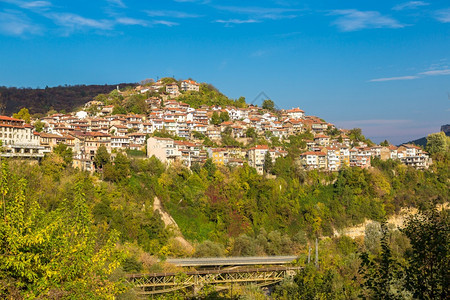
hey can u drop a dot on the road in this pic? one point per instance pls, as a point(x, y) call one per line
point(231, 261)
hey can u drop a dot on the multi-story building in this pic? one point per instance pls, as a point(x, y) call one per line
point(86, 145)
point(256, 156)
point(19, 139)
point(333, 158)
point(190, 85)
point(360, 157)
point(314, 160)
point(295, 113)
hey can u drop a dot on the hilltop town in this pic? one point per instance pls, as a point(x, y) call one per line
point(191, 122)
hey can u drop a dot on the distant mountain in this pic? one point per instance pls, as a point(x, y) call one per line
point(59, 98)
point(446, 129)
point(423, 141)
point(418, 142)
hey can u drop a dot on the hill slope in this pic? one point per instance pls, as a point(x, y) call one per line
point(42, 100)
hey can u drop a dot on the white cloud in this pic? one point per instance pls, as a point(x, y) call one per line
point(353, 20)
point(261, 13)
point(410, 5)
point(29, 4)
point(436, 72)
point(131, 21)
point(36, 4)
point(237, 21)
point(167, 23)
point(170, 13)
point(373, 122)
point(193, 1)
point(394, 78)
point(117, 3)
point(16, 23)
point(440, 72)
point(443, 16)
point(74, 21)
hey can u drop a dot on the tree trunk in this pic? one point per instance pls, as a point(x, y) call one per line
point(309, 253)
point(316, 262)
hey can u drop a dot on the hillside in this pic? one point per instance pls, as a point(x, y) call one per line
point(66, 98)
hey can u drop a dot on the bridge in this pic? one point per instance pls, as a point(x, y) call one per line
point(232, 261)
point(238, 271)
point(158, 283)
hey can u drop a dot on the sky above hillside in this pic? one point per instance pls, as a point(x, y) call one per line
point(383, 66)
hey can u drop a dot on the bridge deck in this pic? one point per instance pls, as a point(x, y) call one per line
point(232, 261)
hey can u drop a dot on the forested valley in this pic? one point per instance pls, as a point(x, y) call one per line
point(66, 234)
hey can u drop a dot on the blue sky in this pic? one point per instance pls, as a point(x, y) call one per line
point(383, 66)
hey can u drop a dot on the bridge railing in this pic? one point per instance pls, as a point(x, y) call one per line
point(156, 283)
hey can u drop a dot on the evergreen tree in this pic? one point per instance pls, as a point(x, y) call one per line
point(429, 261)
point(385, 143)
point(268, 163)
point(268, 104)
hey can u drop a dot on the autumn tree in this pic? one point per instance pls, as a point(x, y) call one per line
point(52, 253)
point(23, 114)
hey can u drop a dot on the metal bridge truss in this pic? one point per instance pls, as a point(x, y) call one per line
point(158, 283)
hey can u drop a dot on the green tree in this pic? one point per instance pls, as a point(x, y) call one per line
point(101, 158)
point(43, 254)
point(268, 163)
point(65, 152)
point(429, 261)
point(438, 143)
point(356, 135)
point(23, 114)
point(240, 103)
point(210, 167)
point(215, 118)
point(268, 104)
point(122, 165)
point(224, 116)
point(385, 143)
point(119, 170)
point(250, 132)
point(39, 126)
point(209, 249)
point(119, 110)
point(381, 274)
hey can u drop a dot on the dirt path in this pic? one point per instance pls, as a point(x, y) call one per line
point(170, 222)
